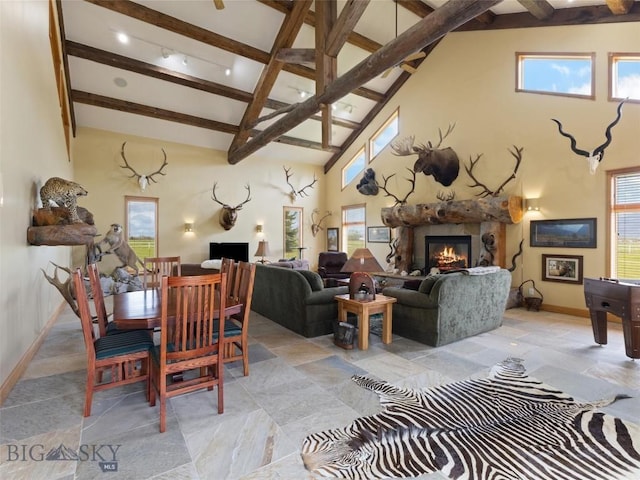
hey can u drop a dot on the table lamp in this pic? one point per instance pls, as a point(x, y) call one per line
point(262, 251)
point(361, 284)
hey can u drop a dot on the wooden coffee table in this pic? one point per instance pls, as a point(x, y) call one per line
point(363, 309)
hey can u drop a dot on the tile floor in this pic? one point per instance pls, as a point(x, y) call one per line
point(296, 386)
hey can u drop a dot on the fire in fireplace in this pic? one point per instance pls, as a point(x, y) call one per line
point(447, 252)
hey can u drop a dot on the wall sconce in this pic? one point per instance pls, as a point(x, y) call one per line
point(188, 228)
point(259, 228)
point(532, 204)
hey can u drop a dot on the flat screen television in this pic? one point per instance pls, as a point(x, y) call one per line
point(239, 251)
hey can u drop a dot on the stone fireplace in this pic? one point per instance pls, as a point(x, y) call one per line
point(447, 252)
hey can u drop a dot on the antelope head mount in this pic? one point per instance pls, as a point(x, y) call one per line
point(229, 214)
point(143, 180)
point(442, 163)
point(293, 194)
point(316, 225)
point(594, 158)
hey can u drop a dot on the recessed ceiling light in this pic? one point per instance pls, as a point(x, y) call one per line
point(123, 38)
point(120, 82)
point(227, 71)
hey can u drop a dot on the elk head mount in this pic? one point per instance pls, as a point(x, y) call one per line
point(316, 225)
point(229, 214)
point(594, 158)
point(293, 194)
point(442, 163)
point(143, 180)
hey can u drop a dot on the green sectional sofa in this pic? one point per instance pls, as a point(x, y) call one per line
point(296, 299)
point(450, 307)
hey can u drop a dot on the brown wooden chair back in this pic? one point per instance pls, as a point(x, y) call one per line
point(192, 325)
point(157, 267)
point(228, 266)
point(125, 357)
point(237, 334)
point(98, 298)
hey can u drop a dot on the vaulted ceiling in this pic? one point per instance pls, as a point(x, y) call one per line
point(279, 79)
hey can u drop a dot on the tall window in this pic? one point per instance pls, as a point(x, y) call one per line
point(624, 76)
point(568, 74)
point(354, 167)
point(624, 206)
point(353, 227)
point(385, 134)
point(142, 225)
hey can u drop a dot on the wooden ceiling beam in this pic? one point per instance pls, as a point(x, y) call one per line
point(284, 39)
point(444, 19)
point(326, 65)
point(344, 25)
point(299, 142)
point(297, 55)
point(541, 9)
point(153, 112)
point(167, 22)
point(421, 9)
point(619, 7)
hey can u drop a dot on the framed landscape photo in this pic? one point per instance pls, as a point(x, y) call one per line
point(562, 268)
point(569, 233)
point(332, 239)
point(378, 234)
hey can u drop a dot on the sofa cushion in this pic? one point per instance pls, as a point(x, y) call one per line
point(315, 281)
point(427, 284)
point(412, 284)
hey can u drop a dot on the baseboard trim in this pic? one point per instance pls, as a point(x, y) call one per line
point(22, 365)
point(577, 312)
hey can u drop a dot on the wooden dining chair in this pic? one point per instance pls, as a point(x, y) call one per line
point(228, 266)
point(112, 360)
point(157, 267)
point(236, 333)
point(105, 327)
point(189, 341)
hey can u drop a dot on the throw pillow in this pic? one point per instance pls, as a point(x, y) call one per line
point(315, 281)
point(412, 284)
point(427, 284)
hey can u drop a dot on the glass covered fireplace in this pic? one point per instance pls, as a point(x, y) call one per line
point(447, 252)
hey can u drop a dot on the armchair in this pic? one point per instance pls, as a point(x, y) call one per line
point(329, 265)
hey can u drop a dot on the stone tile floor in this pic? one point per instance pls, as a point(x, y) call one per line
point(296, 386)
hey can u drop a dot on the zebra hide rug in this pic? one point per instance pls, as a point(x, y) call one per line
point(505, 426)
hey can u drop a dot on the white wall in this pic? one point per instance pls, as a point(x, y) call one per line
point(184, 194)
point(469, 79)
point(32, 149)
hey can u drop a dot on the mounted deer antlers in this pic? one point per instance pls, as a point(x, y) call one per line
point(316, 225)
point(443, 164)
point(485, 190)
point(399, 201)
point(594, 158)
point(298, 193)
point(143, 180)
point(229, 215)
point(66, 289)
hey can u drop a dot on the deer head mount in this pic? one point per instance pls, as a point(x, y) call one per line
point(485, 190)
point(594, 158)
point(293, 194)
point(443, 163)
point(143, 180)
point(228, 214)
point(316, 225)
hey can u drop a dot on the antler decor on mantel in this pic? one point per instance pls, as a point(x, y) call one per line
point(485, 190)
point(143, 180)
point(293, 194)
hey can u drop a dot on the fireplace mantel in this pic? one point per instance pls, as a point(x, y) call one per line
point(489, 209)
point(492, 213)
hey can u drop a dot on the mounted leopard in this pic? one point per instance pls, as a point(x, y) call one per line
point(64, 193)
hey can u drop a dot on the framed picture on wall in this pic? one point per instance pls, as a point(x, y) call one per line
point(332, 240)
point(569, 233)
point(378, 234)
point(562, 268)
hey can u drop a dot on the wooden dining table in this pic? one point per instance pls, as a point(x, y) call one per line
point(142, 309)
